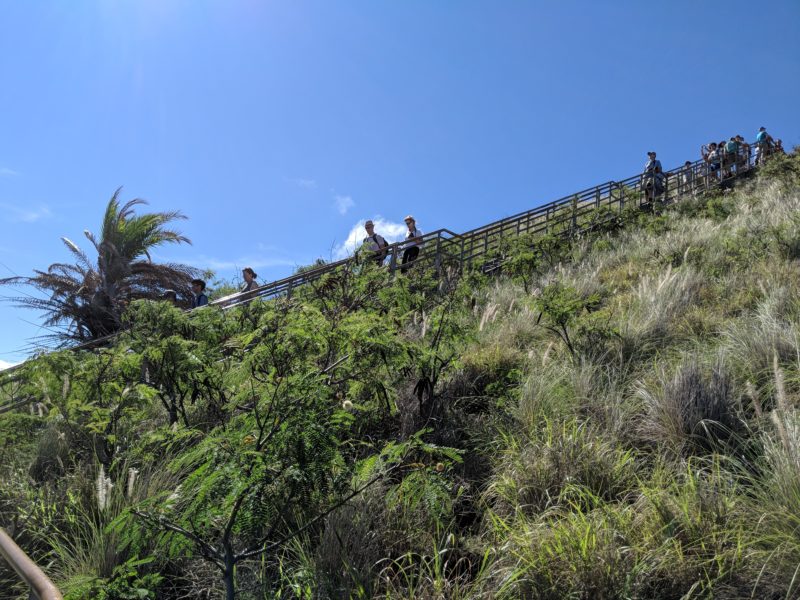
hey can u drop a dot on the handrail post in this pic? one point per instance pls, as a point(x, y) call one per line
point(437, 260)
point(574, 212)
point(393, 260)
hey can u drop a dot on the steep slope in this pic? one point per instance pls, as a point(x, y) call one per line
point(610, 418)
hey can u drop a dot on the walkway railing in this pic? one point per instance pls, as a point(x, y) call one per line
point(562, 217)
point(41, 587)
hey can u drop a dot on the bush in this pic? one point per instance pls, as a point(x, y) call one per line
point(692, 412)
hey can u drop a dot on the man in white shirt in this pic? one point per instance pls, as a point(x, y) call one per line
point(375, 243)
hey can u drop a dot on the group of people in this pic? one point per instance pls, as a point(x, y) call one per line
point(199, 297)
point(378, 246)
point(373, 243)
point(720, 160)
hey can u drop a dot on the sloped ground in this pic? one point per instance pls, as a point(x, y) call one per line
point(612, 419)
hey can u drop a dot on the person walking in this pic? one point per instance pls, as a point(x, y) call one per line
point(374, 243)
point(250, 282)
point(199, 297)
point(413, 243)
point(687, 178)
point(652, 177)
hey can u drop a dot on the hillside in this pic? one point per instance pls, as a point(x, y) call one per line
point(615, 417)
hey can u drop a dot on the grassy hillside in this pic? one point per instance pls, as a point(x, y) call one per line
point(612, 418)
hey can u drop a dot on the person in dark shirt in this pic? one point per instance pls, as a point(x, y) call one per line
point(250, 282)
point(199, 297)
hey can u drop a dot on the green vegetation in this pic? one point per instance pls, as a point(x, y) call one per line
point(90, 298)
point(611, 418)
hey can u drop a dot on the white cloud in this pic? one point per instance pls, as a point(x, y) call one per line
point(221, 264)
point(391, 232)
point(6, 365)
point(302, 182)
point(343, 204)
point(6, 172)
point(14, 214)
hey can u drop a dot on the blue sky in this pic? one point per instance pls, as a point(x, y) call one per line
point(277, 127)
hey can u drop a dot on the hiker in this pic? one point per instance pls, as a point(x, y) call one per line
point(763, 145)
point(731, 155)
point(374, 243)
point(687, 178)
point(199, 297)
point(779, 147)
point(712, 159)
point(652, 177)
point(412, 245)
point(250, 282)
point(744, 155)
point(170, 296)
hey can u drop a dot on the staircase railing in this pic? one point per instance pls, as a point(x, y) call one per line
point(561, 216)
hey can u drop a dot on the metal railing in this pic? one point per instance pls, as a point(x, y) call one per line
point(561, 217)
point(41, 588)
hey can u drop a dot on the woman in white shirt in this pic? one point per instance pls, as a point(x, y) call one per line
point(413, 242)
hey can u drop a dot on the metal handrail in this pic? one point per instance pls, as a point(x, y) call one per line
point(41, 587)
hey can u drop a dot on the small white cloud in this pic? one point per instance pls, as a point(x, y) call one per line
point(6, 172)
point(14, 214)
point(302, 182)
point(343, 204)
point(391, 232)
point(6, 365)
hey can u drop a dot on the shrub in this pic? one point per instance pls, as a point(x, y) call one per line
point(692, 411)
point(544, 469)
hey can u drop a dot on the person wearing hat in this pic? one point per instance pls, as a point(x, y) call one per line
point(199, 297)
point(374, 243)
point(170, 296)
point(652, 177)
point(413, 242)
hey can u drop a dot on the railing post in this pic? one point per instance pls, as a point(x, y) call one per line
point(393, 260)
point(574, 212)
point(597, 197)
point(437, 260)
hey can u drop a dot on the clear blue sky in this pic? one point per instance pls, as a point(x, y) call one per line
point(277, 127)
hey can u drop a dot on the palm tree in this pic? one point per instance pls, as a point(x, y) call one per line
point(89, 299)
